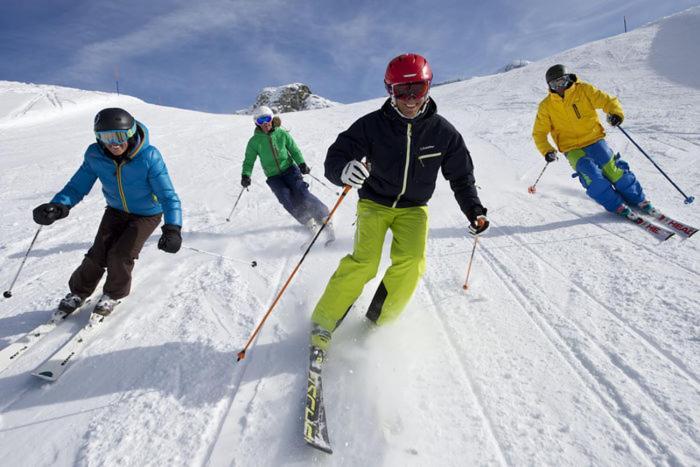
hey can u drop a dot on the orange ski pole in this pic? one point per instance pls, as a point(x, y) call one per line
point(241, 354)
point(469, 268)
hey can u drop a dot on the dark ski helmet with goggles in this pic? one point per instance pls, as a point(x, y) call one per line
point(114, 126)
point(558, 79)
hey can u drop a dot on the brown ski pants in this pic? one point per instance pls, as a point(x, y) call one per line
point(119, 240)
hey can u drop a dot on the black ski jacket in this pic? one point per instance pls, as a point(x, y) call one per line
point(403, 157)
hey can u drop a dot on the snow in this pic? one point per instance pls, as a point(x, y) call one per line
point(578, 341)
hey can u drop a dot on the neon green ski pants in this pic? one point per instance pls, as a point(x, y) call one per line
point(409, 227)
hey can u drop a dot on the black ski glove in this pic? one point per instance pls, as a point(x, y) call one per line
point(551, 156)
point(245, 181)
point(303, 168)
point(478, 225)
point(171, 240)
point(47, 213)
point(614, 120)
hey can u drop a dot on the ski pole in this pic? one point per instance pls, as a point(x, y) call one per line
point(532, 189)
point(471, 258)
point(235, 204)
point(241, 354)
point(8, 292)
point(321, 182)
point(688, 199)
point(251, 263)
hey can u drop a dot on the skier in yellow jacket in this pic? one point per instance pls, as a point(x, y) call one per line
point(569, 114)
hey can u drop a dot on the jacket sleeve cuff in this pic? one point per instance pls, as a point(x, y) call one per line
point(475, 212)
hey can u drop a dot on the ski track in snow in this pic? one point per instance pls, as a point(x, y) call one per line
point(585, 357)
point(577, 342)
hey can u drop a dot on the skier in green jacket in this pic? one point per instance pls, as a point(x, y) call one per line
point(283, 165)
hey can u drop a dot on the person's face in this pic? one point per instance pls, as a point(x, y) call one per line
point(117, 149)
point(266, 127)
point(410, 106)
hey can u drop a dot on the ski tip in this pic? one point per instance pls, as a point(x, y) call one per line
point(320, 446)
point(45, 375)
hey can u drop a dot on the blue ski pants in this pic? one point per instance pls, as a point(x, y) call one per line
point(293, 193)
point(607, 179)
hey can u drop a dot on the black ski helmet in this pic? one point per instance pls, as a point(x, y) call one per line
point(554, 72)
point(113, 119)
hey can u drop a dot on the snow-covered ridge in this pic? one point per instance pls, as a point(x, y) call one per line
point(513, 65)
point(289, 98)
point(26, 103)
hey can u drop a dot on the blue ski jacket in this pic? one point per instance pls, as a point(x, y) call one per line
point(137, 183)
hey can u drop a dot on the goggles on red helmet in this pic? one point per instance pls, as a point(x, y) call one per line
point(115, 136)
point(417, 90)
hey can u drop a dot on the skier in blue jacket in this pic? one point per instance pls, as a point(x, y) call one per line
point(138, 191)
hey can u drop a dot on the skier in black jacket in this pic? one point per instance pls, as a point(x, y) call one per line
point(404, 144)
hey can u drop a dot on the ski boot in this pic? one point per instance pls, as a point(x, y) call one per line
point(647, 208)
point(624, 211)
point(312, 226)
point(329, 233)
point(105, 305)
point(320, 338)
point(70, 303)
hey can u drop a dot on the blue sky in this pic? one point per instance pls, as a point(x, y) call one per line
point(216, 55)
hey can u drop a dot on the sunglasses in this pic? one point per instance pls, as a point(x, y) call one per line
point(416, 90)
point(263, 119)
point(560, 83)
point(115, 136)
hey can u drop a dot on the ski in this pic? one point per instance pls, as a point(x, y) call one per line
point(12, 352)
point(315, 426)
point(54, 367)
point(661, 233)
point(330, 235)
point(681, 228)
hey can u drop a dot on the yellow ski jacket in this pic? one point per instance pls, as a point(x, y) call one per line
point(572, 120)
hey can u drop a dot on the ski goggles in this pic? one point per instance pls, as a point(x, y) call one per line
point(263, 119)
point(416, 90)
point(115, 136)
point(560, 83)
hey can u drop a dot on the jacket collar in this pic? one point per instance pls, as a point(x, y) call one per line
point(389, 111)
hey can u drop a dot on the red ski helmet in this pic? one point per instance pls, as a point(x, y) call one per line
point(407, 68)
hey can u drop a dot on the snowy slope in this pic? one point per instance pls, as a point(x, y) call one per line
point(577, 343)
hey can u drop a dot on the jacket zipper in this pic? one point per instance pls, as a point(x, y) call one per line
point(576, 111)
point(119, 185)
point(274, 153)
point(408, 160)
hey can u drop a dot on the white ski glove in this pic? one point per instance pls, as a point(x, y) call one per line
point(354, 174)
